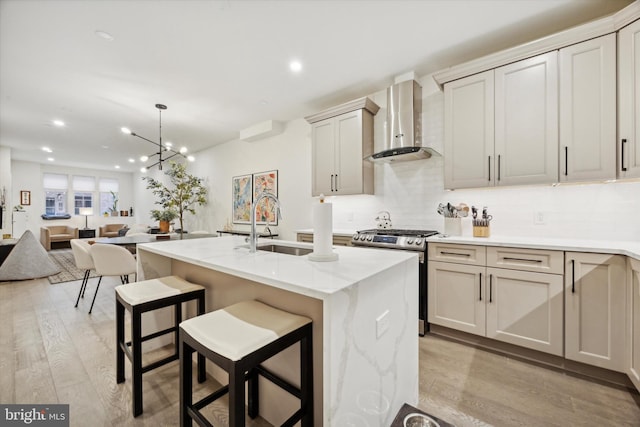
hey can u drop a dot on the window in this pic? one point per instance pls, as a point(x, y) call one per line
point(108, 194)
point(55, 193)
point(83, 188)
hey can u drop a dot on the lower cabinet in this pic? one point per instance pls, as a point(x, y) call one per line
point(338, 239)
point(525, 309)
point(595, 286)
point(510, 305)
point(633, 319)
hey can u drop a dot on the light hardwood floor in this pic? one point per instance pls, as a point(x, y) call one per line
point(51, 352)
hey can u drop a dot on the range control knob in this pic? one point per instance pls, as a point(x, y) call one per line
point(418, 241)
point(355, 236)
point(370, 238)
point(409, 240)
point(363, 237)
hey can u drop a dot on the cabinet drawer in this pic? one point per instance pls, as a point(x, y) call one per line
point(461, 254)
point(543, 261)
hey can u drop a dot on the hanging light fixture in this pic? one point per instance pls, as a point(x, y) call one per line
point(165, 151)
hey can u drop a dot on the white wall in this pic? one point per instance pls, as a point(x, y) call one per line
point(28, 176)
point(410, 191)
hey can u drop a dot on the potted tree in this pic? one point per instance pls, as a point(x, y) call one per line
point(164, 217)
point(182, 196)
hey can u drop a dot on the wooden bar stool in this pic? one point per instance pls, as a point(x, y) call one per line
point(138, 298)
point(238, 339)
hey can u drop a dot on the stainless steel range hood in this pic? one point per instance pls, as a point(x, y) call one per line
point(403, 139)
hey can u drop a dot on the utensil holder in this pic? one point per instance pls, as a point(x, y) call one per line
point(481, 231)
point(453, 226)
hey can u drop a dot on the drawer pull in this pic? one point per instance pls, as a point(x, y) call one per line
point(521, 259)
point(454, 254)
point(573, 276)
point(480, 286)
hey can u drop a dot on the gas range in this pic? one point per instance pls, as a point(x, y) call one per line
point(411, 240)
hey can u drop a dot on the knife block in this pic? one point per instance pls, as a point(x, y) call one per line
point(481, 231)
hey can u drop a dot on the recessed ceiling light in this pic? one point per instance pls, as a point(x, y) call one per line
point(47, 150)
point(295, 66)
point(144, 158)
point(143, 170)
point(104, 35)
point(132, 160)
point(117, 166)
point(168, 144)
point(106, 147)
point(183, 150)
point(126, 130)
point(191, 158)
point(58, 123)
point(51, 159)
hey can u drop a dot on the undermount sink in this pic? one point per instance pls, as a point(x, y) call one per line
point(281, 249)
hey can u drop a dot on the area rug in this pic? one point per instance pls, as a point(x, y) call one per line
point(63, 258)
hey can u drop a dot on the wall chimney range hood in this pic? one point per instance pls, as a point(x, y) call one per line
point(403, 141)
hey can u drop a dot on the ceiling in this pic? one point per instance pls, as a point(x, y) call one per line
point(222, 66)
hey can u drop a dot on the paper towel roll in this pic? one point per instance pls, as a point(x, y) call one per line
point(323, 233)
point(322, 228)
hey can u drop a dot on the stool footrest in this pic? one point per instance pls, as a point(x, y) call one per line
point(159, 363)
point(285, 385)
point(158, 334)
point(293, 419)
point(198, 418)
point(211, 397)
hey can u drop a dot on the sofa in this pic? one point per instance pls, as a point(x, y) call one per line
point(56, 234)
point(110, 230)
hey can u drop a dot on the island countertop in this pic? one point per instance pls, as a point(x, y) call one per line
point(230, 254)
point(364, 309)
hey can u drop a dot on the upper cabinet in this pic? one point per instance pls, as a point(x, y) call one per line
point(340, 139)
point(545, 111)
point(526, 109)
point(501, 126)
point(629, 101)
point(469, 131)
point(588, 110)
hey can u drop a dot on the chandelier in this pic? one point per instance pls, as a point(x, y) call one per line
point(165, 151)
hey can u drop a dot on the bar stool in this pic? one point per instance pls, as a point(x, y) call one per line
point(138, 298)
point(238, 339)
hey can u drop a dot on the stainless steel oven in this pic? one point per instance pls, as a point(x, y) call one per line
point(404, 240)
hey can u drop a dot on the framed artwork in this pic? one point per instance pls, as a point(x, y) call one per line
point(241, 198)
point(266, 181)
point(25, 198)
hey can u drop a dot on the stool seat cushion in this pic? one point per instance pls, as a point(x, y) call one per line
point(154, 289)
point(242, 328)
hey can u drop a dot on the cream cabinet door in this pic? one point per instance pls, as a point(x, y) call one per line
point(323, 154)
point(526, 121)
point(525, 308)
point(456, 296)
point(595, 287)
point(633, 317)
point(629, 101)
point(588, 110)
point(350, 166)
point(468, 132)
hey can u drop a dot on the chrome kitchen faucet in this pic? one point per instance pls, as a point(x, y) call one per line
point(253, 237)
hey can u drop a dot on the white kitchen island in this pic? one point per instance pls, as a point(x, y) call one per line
point(364, 309)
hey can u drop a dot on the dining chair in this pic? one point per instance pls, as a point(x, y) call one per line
point(83, 260)
point(111, 260)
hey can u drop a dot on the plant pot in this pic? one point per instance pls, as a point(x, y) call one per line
point(114, 213)
point(164, 226)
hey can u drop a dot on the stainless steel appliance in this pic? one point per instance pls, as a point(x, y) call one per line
point(404, 240)
point(404, 125)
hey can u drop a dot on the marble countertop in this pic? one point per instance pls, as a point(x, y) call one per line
point(230, 254)
point(622, 247)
